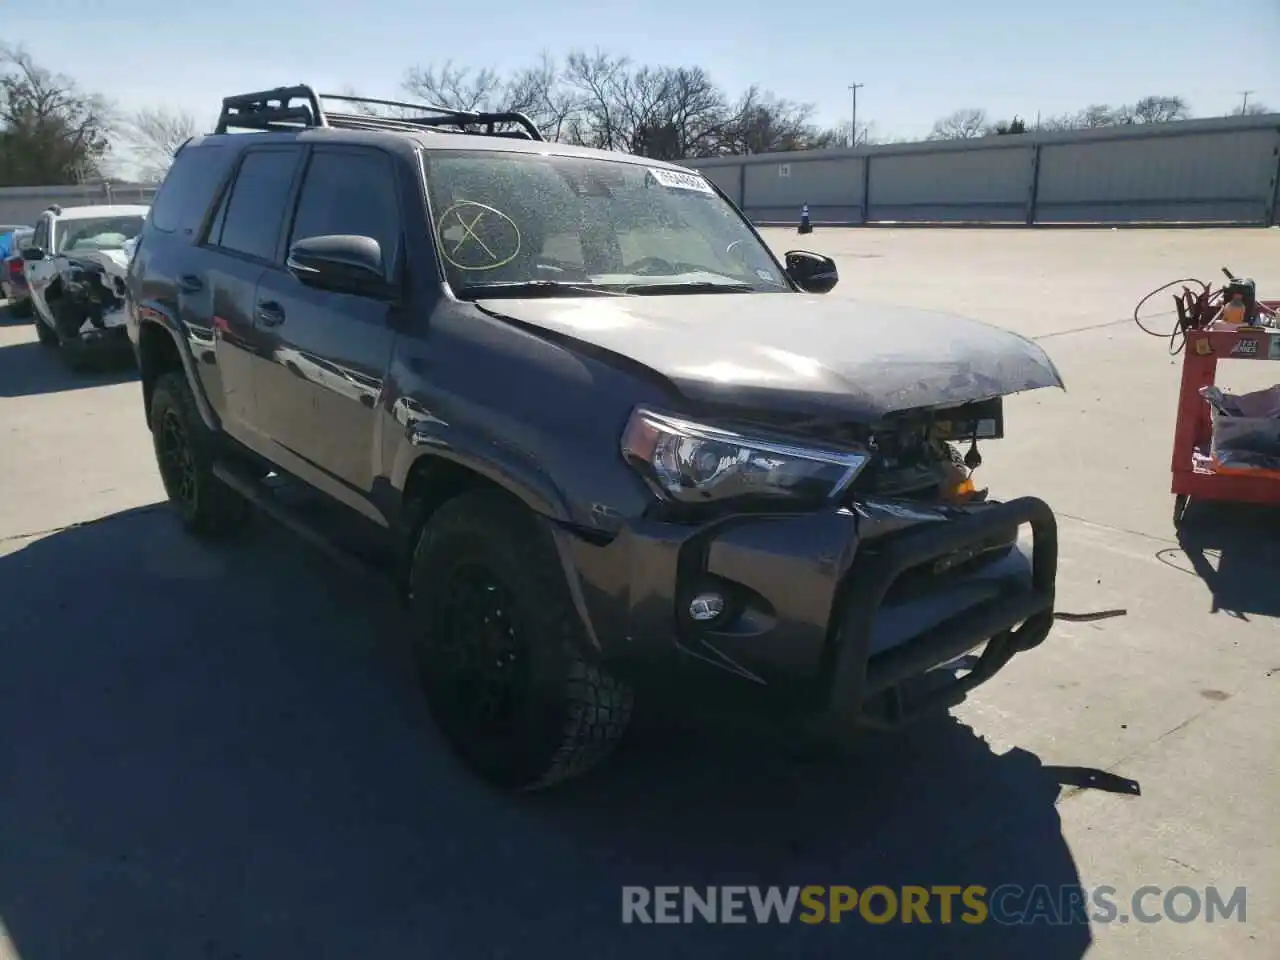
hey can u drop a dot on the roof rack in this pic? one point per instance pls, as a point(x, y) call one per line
point(280, 110)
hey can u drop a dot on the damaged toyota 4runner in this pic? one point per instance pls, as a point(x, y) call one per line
point(75, 268)
point(604, 441)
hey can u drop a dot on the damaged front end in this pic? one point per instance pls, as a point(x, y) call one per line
point(821, 566)
point(90, 302)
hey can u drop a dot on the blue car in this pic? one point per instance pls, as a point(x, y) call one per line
point(13, 277)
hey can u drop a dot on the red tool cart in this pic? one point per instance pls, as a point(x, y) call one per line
point(1208, 340)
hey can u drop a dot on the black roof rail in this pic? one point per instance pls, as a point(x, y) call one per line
point(276, 110)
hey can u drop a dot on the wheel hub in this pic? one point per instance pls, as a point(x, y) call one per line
point(478, 650)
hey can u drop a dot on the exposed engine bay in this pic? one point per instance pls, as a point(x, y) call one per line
point(925, 455)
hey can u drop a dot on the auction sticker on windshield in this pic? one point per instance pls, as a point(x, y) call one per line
point(680, 181)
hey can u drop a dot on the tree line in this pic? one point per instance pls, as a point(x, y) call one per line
point(54, 132)
point(973, 122)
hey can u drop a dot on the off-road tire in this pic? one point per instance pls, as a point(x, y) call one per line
point(184, 449)
point(570, 712)
point(47, 336)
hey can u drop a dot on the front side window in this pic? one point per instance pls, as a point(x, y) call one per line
point(98, 233)
point(250, 223)
point(350, 193)
point(592, 224)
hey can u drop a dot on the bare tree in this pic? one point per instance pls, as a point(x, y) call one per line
point(679, 112)
point(1251, 110)
point(966, 124)
point(539, 93)
point(762, 123)
point(1158, 109)
point(833, 138)
point(600, 81)
point(154, 135)
point(457, 88)
point(1098, 115)
point(49, 128)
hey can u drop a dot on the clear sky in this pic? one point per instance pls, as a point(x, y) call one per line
point(919, 59)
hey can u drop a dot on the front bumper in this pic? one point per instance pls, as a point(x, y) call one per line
point(848, 614)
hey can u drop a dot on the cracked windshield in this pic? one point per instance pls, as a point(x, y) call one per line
point(512, 220)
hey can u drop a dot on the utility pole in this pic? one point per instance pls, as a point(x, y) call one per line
point(853, 126)
point(1245, 102)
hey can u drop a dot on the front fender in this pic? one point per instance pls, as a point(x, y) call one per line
point(515, 470)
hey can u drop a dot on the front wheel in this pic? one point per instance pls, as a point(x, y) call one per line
point(47, 336)
point(499, 648)
point(184, 454)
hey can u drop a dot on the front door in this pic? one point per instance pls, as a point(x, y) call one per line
point(40, 273)
point(327, 352)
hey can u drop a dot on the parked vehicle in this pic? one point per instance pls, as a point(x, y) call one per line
point(75, 268)
point(610, 443)
point(13, 278)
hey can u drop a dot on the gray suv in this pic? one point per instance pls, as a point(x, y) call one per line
point(602, 439)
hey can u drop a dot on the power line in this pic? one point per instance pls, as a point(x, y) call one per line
point(1244, 103)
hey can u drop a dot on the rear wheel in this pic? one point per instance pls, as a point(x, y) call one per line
point(184, 453)
point(499, 648)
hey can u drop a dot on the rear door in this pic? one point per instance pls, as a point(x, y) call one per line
point(327, 352)
point(245, 233)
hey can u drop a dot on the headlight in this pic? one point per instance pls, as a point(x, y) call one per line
point(693, 462)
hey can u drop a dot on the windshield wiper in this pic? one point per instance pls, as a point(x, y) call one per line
point(692, 286)
point(535, 288)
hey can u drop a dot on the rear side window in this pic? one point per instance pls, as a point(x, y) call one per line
point(187, 190)
point(41, 237)
point(250, 222)
point(350, 192)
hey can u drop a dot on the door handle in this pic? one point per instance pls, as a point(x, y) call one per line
point(190, 283)
point(270, 313)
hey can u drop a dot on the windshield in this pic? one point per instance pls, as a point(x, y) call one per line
point(585, 225)
point(98, 233)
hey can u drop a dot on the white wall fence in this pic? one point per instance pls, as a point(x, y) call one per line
point(23, 204)
point(1191, 172)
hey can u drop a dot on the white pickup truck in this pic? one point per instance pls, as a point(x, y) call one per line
point(75, 266)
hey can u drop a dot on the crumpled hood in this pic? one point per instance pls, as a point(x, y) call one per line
point(115, 262)
point(818, 355)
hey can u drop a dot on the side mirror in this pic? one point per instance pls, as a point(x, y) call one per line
point(342, 263)
point(811, 272)
point(32, 254)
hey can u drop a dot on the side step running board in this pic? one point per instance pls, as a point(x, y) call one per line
point(260, 495)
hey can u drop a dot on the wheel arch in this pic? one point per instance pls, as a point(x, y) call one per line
point(433, 479)
point(159, 352)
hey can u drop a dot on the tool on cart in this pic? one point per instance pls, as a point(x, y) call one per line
point(1211, 455)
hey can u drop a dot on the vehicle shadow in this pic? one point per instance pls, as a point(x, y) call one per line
point(1243, 540)
point(29, 369)
point(221, 752)
point(9, 318)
